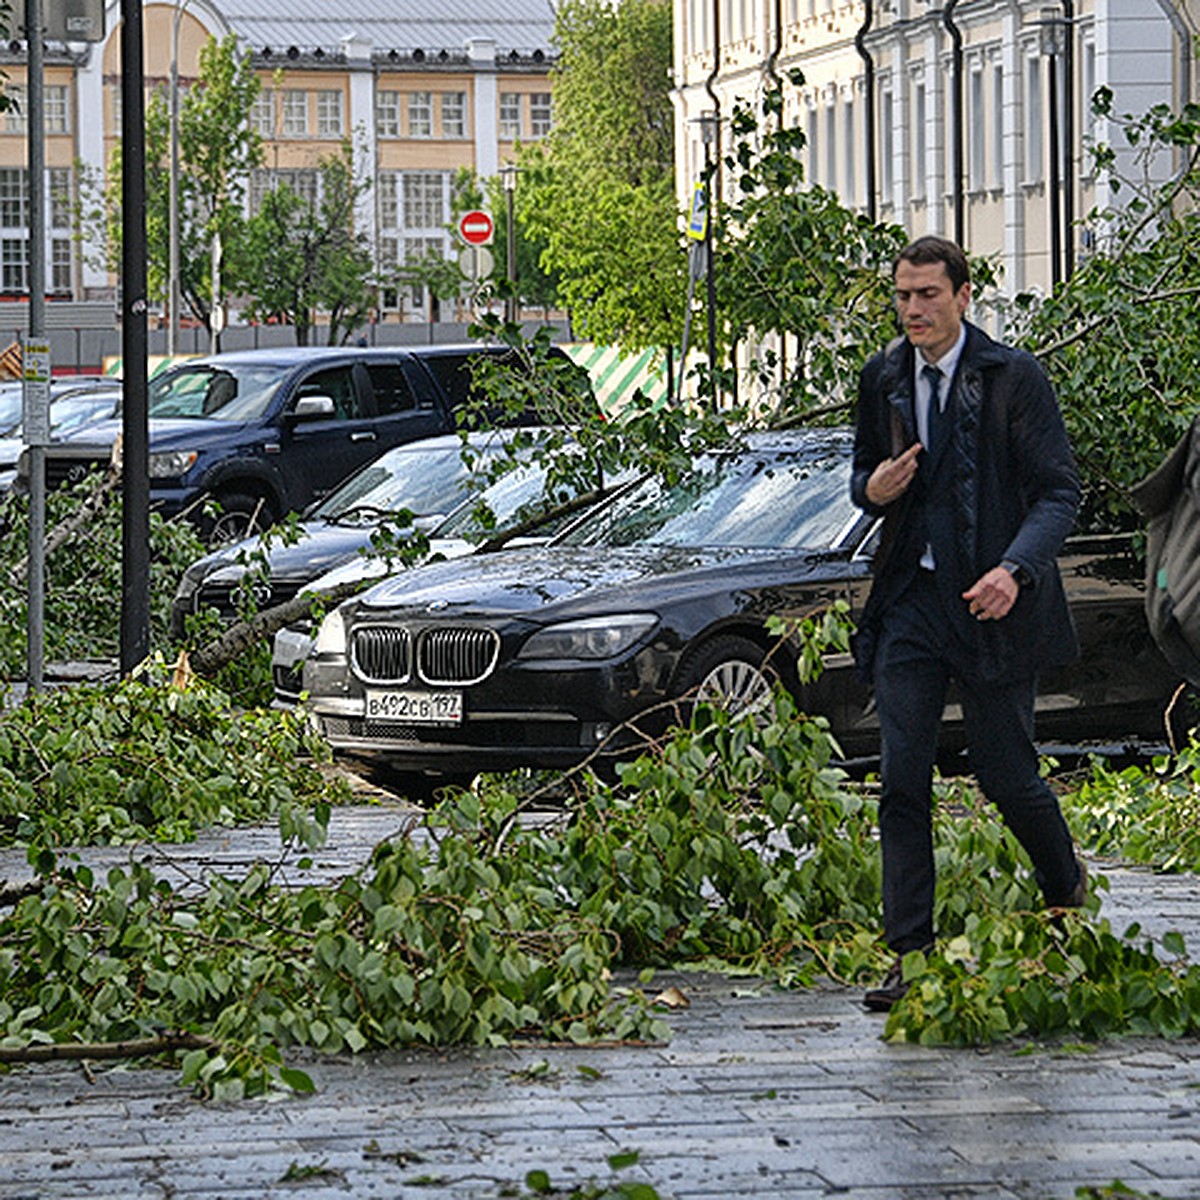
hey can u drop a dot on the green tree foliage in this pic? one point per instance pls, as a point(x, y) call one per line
point(802, 280)
point(149, 758)
point(83, 573)
point(217, 151)
point(1119, 338)
point(302, 255)
point(598, 192)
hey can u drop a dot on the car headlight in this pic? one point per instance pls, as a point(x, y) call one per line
point(595, 637)
point(170, 464)
point(331, 638)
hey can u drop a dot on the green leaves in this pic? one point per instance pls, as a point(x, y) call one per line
point(144, 758)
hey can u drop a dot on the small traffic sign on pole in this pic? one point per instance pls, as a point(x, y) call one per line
point(476, 227)
point(698, 217)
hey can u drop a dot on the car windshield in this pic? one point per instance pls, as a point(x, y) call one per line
point(754, 499)
point(73, 412)
point(10, 409)
point(424, 480)
point(504, 499)
point(231, 392)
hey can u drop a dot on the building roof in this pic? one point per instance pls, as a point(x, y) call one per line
point(404, 25)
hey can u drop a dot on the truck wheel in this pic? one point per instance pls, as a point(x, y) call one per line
point(240, 516)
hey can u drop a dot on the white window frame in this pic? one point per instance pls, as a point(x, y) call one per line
point(454, 115)
point(331, 113)
point(541, 114)
point(295, 113)
point(420, 115)
point(509, 116)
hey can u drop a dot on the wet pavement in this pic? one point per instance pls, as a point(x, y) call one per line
point(759, 1093)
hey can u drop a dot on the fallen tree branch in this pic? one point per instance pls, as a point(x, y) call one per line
point(80, 518)
point(243, 636)
point(138, 1048)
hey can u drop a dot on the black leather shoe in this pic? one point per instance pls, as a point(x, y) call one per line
point(892, 990)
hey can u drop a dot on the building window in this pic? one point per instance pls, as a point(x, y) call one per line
point(977, 123)
point(387, 114)
point(454, 114)
point(14, 198)
point(420, 114)
point(920, 181)
point(997, 179)
point(1033, 120)
point(60, 265)
point(57, 109)
point(424, 200)
point(303, 182)
point(389, 254)
point(118, 108)
point(540, 114)
point(60, 197)
point(295, 113)
point(887, 129)
point(389, 201)
point(262, 114)
point(814, 143)
point(851, 176)
point(14, 257)
point(831, 147)
point(418, 250)
point(14, 118)
point(330, 122)
point(510, 116)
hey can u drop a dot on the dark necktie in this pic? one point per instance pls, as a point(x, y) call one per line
point(933, 376)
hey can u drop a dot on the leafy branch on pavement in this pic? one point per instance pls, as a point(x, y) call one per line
point(738, 845)
point(145, 759)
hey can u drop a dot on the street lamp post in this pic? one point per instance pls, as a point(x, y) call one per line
point(508, 179)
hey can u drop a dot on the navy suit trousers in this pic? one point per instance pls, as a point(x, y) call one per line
point(918, 655)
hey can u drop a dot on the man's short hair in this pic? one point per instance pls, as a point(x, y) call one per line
point(930, 249)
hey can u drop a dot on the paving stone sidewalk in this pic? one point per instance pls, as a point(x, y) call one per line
point(761, 1093)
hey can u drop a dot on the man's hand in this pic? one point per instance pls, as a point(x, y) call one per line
point(992, 595)
point(891, 478)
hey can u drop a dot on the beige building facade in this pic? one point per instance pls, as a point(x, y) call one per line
point(972, 120)
point(422, 90)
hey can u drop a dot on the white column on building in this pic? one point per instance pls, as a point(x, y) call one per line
point(1014, 278)
point(482, 55)
point(936, 116)
point(898, 150)
point(89, 135)
point(361, 125)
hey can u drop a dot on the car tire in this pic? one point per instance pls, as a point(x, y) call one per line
point(729, 670)
point(241, 515)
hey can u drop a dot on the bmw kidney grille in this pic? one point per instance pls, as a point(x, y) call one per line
point(444, 657)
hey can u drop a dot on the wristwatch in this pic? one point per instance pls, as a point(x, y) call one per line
point(1018, 572)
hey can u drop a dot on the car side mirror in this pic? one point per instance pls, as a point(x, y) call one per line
point(309, 408)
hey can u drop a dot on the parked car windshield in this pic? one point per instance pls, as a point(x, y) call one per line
point(233, 392)
point(751, 499)
point(414, 477)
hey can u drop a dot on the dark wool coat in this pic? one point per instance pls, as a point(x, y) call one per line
point(1002, 485)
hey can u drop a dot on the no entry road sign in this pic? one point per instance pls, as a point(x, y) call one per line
point(476, 227)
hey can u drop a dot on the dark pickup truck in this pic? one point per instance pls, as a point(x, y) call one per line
point(266, 432)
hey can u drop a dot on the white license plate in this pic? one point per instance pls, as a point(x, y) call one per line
point(415, 708)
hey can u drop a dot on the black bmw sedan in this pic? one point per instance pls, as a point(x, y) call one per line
point(534, 658)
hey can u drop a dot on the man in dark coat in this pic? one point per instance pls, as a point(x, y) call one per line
point(960, 446)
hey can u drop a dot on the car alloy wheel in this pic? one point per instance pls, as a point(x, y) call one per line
point(728, 672)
